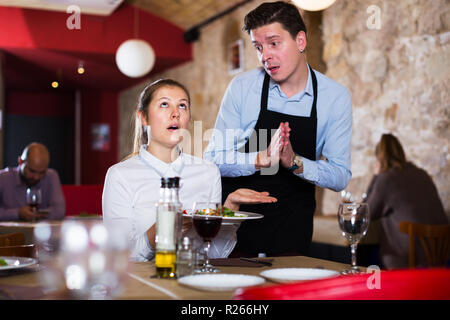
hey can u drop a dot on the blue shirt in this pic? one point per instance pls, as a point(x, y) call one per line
point(239, 113)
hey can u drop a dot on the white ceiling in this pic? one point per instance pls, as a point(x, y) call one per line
point(97, 7)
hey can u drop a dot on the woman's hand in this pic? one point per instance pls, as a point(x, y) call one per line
point(151, 233)
point(247, 196)
point(187, 225)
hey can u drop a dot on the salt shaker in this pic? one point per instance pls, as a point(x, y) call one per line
point(185, 258)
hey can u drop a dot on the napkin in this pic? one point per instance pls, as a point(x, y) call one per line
point(236, 262)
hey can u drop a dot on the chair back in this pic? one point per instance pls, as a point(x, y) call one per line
point(26, 250)
point(83, 199)
point(433, 238)
point(12, 239)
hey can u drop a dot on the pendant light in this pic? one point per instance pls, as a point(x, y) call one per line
point(135, 57)
point(313, 5)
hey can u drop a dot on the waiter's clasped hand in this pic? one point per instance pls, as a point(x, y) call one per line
point(279, 151)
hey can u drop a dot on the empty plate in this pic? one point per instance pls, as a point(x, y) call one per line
point(220, 281)
point(284, 275)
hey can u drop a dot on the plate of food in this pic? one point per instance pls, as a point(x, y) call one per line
point(286, 275)
point(220, 281)
point(8, 263)
point(228, 214)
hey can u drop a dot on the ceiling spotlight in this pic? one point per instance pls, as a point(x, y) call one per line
point(55, 84)
point(80, 69)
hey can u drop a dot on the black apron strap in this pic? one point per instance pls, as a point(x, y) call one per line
point(265, 93)
point(314, 105)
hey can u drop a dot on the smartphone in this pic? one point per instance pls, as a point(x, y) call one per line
point(43, 211)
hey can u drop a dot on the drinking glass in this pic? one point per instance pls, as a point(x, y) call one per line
point(83, 260)
point(33, 198)
point(354, 222)
point(207, 219)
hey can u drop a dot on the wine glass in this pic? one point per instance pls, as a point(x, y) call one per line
point(354, 222)
point(207, 219)
point(33, 198)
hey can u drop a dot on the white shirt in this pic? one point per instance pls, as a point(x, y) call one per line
point(131, 191)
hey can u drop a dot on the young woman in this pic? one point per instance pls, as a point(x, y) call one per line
point(400, 191)
point(131, 186)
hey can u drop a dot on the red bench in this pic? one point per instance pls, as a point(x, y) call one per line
point(83, 199)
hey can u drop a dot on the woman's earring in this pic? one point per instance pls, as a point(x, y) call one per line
point(301, 50)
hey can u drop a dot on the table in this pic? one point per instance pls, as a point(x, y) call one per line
point(326, 229)
point(27, 228)
point(140, 286)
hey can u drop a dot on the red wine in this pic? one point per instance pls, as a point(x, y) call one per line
point(207, 227)
point(34, 206)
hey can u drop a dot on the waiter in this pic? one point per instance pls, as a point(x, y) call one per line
point(273, 126)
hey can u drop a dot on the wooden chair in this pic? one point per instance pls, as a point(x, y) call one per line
point(26, 250)
point(434, 240)
point(12, 239)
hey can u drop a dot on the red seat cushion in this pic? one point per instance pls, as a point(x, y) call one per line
point(411, 284)
point(83, 199)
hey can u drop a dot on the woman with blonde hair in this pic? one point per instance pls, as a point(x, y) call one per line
point(131, 186)
point(400, 191)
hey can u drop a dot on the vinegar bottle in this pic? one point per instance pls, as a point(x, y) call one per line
point(166, 232)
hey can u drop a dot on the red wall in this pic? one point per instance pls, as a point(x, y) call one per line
point(98, 106)
point(40, 103)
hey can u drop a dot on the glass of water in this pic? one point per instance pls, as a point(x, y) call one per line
point(354, 221)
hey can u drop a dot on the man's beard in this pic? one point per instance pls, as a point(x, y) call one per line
point(28, 182)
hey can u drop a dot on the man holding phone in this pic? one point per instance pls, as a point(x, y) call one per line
point(31, 174)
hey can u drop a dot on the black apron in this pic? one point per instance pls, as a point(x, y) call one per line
point(287, 225)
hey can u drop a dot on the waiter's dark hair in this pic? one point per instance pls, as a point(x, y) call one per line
point(389, 152)
point(285, 13)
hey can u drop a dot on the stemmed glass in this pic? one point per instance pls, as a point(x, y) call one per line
point(33, 198)
point(354, 221)
point(207, 219)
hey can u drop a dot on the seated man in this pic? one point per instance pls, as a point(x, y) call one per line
point(32, 172)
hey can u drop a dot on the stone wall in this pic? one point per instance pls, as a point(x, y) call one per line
point(392, 56)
